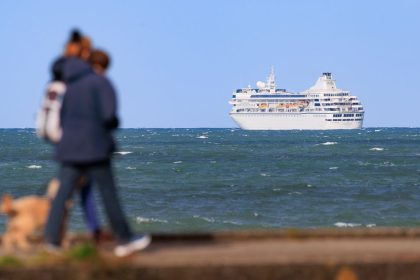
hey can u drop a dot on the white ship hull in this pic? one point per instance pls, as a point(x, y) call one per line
point(288, 121)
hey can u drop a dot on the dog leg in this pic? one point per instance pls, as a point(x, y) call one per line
point(7, 241)
point(22, 241)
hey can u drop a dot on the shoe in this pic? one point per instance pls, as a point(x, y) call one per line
point(133, 246)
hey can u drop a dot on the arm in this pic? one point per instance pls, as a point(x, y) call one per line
point(108, 104)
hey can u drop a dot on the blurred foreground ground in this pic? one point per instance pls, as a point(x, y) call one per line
point(344, 254)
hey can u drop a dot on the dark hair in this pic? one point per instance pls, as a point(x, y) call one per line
point(75, 36)
point(101, 58)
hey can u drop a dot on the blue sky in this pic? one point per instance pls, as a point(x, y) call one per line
point(176, 63)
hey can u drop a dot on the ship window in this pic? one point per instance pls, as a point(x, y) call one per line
point(317, 104)
point(234, 96)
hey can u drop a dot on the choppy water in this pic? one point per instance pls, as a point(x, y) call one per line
point(221, 179)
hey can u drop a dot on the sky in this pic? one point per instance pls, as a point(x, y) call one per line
point(175, 64)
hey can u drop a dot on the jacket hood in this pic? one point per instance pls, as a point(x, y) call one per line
point(74, 68)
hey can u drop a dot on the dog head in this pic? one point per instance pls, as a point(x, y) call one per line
point(6, 206)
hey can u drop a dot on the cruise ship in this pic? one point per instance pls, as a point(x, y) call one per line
point(321, 107)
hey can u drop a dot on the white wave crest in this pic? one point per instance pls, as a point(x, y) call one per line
point(386, 163)
point(178, 162)
point(33, 166)
point(130, 168)
point(210, 220)
point(123, 153)
point(341, 224)
point(202, 137)
point(376, 149)
point(329, 143)
point(232, 222)
point(140, 220)
point(292, 193)
point(333, 168)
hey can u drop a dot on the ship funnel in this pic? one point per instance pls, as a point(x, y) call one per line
point(324, 83)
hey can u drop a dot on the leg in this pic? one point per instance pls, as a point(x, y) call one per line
point(88, 206)
point(68, 177)
point(101, 173)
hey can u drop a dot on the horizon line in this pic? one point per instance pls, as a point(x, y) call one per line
point(204, 127)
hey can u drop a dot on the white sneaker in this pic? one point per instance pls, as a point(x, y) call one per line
point(130, 247)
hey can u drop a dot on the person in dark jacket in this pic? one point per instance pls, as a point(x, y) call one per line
point(80, 46)
point(88, 116)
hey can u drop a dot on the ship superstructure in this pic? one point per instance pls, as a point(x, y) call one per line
point(323, 106)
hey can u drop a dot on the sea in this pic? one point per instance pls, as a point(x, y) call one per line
point(196, 180)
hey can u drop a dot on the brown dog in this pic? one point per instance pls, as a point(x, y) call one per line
point(27, 215)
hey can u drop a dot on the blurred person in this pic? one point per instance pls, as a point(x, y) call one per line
point(88, 117)
point(100, 61)
point(49, 127)
point(48, 121)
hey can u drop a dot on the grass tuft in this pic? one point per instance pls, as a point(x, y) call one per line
point(10, 261)
point(83, 252)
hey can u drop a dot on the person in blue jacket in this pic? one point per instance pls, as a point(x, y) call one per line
point(88, 117)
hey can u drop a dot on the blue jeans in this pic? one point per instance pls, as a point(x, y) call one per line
point(101, 174)
point(87, 202)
